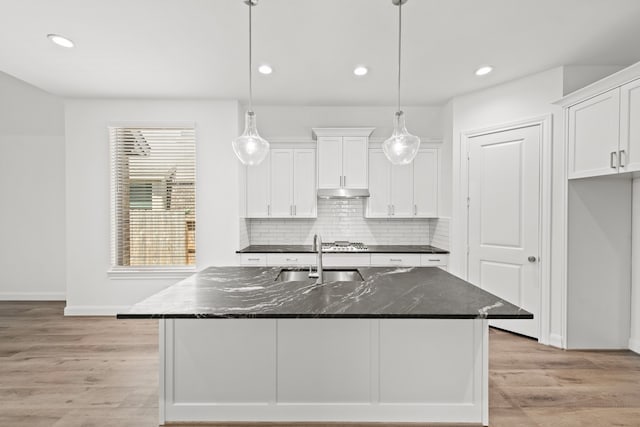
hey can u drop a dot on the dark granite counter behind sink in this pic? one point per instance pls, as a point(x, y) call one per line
point(386, 292)
point(395, 249)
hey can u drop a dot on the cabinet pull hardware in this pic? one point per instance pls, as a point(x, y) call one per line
point(433, 259)
point(415, 210)
point(295, 210)
point(344, 180)
point(393, 209)
point(620, 153)
point(340, 181)
point(613, 158)
point(268, 210)
point(395, 259)
point(388, 210)
point(292, 259)
point(253, 259)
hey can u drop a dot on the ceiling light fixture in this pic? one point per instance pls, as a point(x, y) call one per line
point(484, 70)
point(60, 40)
point(265, 69)
point(360, 70)
point(401, 148)
point(250, 147)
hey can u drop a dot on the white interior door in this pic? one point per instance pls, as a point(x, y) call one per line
point(504, 212)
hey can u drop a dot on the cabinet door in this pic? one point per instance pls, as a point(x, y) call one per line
point(329, 162)
point(630, 127)
point(281, 182)
point(304, 183)
point(379, 185)
point(354, 161)
point(425, 183)
point(258, 189)
point(402, 191)
point(594, 130)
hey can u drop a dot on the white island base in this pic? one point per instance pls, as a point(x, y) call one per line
point(342, 370)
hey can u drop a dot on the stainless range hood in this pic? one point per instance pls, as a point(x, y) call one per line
point(343, 193)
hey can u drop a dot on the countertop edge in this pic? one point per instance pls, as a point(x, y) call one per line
point(321, 316)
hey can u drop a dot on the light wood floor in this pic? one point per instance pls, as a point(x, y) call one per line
point(61, 371)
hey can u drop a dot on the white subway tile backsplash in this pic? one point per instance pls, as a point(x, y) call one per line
point(439, 233)
point(341, 220)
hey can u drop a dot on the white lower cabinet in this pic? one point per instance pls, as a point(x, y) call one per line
point(390, 260)
point(303, 259)
point(332, 260)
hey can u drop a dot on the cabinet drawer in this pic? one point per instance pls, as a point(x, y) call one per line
point(291, 259)
point(346, 260)
point(253, 259)
point(404, 260)
point(434, 260)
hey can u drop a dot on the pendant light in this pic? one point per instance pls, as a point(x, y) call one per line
point(401, 148)
point(250, 147)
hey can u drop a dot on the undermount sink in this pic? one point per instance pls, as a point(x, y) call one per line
point(328, 276)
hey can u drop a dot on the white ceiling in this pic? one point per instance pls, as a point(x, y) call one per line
point(198, 48)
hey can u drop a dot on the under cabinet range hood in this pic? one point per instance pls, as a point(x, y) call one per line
point(343, 193)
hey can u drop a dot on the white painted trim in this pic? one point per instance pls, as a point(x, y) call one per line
point(94, 310)
point(162, 340)
point(563, 229)
point(634, 345)
point(605, 84)
point(362, 131)
point(545, 122)
point(33, 296)
point(150, 273)
point(555, 340)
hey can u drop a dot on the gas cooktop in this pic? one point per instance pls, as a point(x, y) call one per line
point(343, 246)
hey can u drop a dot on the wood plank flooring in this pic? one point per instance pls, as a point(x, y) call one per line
point(95, 371)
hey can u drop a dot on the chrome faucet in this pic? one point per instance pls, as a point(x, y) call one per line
point(317, 247)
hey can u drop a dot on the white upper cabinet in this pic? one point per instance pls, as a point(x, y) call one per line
point(258, 189)
point(425, 183)
point(283, 185)
point(379, 203)
point(408, 191)
point(354, 161)
point(329, 162)
point(630, 127)
point(342, 157)
point(304, 183)
point(594, 127)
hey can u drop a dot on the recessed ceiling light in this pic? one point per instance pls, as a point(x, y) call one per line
point(59, 40)
point(360, 70)
point(265, 69)
point(484, 70)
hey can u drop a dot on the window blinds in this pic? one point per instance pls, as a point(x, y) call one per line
point(153, 196)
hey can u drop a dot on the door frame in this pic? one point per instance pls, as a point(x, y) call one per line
point(544, 239)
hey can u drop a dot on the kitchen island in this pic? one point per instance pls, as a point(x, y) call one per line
point(400, 345)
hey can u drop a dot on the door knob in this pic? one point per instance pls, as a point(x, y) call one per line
point(532, 259)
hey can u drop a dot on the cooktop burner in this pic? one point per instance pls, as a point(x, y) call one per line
point(343, 246)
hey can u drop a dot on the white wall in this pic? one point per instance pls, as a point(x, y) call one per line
point(634, 341)
point(297, 121)
point(89, 289)
point(32, 257)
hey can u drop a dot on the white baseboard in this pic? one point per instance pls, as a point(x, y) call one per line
point(33, 296)
point(555, 340)
point(634, 345)
point(94, 310)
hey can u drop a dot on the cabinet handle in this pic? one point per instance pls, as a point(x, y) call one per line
point(415, 210)
point(295, 210)
point(344, 180)
point(268, 210)
point(253, 259)
point(292, 259)
point(388, 210)
point(290, 210)
point(393, 209)
point(613, 159)
point(433, 259)
point(620, 153)
point(395, 259)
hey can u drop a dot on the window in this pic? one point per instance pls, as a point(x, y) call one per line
point(153, 196)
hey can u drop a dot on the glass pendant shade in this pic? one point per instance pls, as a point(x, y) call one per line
point(250, 147)
point(401, 148)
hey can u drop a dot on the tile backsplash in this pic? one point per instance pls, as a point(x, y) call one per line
point(344, 220)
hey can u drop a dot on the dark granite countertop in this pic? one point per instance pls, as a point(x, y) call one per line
point(395, 249)
point(386, 292)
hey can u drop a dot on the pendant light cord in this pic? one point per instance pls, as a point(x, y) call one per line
point(399, 47)
point(250, 64)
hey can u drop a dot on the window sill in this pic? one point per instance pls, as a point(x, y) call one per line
point(148, 273)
